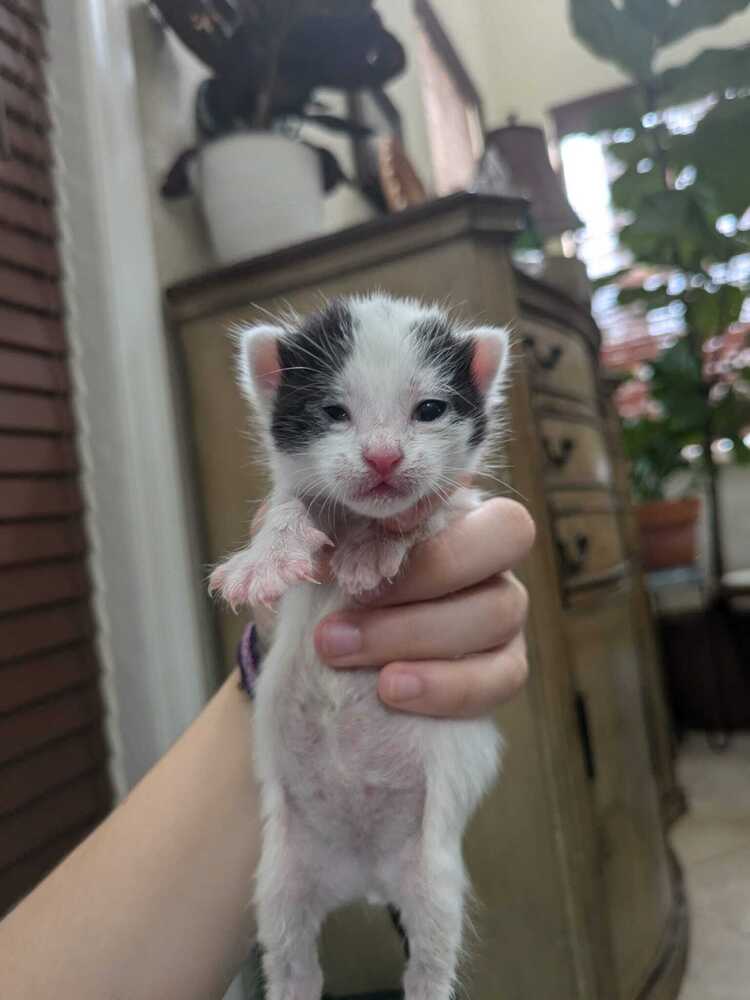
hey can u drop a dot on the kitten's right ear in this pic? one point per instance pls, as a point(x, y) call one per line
point(259, 362)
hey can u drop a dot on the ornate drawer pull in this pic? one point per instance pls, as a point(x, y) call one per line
point(558, 453)
point(573, 554)
point(551, 359)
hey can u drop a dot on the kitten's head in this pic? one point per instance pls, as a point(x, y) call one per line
point(374, 403)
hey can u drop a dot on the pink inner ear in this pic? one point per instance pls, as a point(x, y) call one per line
point(486, 361)
point(266, 366)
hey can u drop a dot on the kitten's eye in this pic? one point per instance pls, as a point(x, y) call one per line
point(337, 414)
point(430, 410)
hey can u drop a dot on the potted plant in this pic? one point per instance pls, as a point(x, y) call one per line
point(261, 187)
point(660, 435)
point(682, 194)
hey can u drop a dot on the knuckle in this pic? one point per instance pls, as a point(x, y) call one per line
point(509, 608)
point(502, 607)
point(518, 672)
point(521, 599)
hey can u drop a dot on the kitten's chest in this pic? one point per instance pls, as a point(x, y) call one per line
point(341, 731)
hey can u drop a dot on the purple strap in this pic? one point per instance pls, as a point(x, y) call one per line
point(248, 660)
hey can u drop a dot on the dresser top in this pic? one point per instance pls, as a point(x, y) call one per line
point(392, 235)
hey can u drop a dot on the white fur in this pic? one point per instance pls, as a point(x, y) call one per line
point(358, 801)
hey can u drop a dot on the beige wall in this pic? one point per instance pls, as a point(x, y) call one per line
point(167, 75)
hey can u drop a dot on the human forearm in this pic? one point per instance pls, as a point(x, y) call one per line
point(157, 902)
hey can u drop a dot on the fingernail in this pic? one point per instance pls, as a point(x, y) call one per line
point(340, 639)
point(403, 687)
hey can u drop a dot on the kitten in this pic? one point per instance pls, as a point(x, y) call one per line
point(368, 407)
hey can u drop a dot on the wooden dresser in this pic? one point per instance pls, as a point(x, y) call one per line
point(578, 896)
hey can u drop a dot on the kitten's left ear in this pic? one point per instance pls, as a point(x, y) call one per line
point(489, 363)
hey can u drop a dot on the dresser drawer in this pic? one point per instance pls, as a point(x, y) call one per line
point(558, 360)
point(589, 545)
point(574, 452)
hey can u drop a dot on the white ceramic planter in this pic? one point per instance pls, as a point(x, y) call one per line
point(259, 192)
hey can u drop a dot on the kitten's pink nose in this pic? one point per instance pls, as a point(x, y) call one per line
point(383, 460)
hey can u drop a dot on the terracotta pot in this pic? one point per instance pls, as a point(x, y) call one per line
point(668, 532)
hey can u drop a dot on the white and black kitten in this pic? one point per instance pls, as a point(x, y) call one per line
point(369, 407)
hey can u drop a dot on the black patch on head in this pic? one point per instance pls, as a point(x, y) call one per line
point(453, 355)
point(310, 359)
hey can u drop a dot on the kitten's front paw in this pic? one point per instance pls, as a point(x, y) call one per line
point(262, 577)
point(362, 567)
point(244, 581)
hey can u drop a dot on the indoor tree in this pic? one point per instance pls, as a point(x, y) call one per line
point(683, 194)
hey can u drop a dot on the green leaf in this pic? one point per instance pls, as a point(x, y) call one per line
point(731, 302)
point(654, 15)
point(631, 153)
point(677, 383)
point(709, 314)
point(676, 229)
point(632, 188)
point(691, 15)
point(631, 36)
point(654, 450)
point(613, 35)
point(720, 151)
point(712, 72)
point(730, 417)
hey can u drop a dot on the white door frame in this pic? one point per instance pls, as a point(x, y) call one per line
point(152, 636)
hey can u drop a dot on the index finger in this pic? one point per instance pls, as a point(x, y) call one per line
point(487, 541)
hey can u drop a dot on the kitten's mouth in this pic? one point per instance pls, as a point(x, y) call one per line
point(384, 490)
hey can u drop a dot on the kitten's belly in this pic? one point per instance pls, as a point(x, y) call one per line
point(351, 769)
point(351, 773)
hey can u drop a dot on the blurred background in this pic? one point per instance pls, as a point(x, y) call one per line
point(575, 168)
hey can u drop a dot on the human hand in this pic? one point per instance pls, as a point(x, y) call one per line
point(448, 634)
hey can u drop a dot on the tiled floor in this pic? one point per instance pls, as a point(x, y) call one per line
point(713, 843)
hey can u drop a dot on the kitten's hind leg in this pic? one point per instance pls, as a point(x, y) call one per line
point(291, 905)
point(431, 903)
